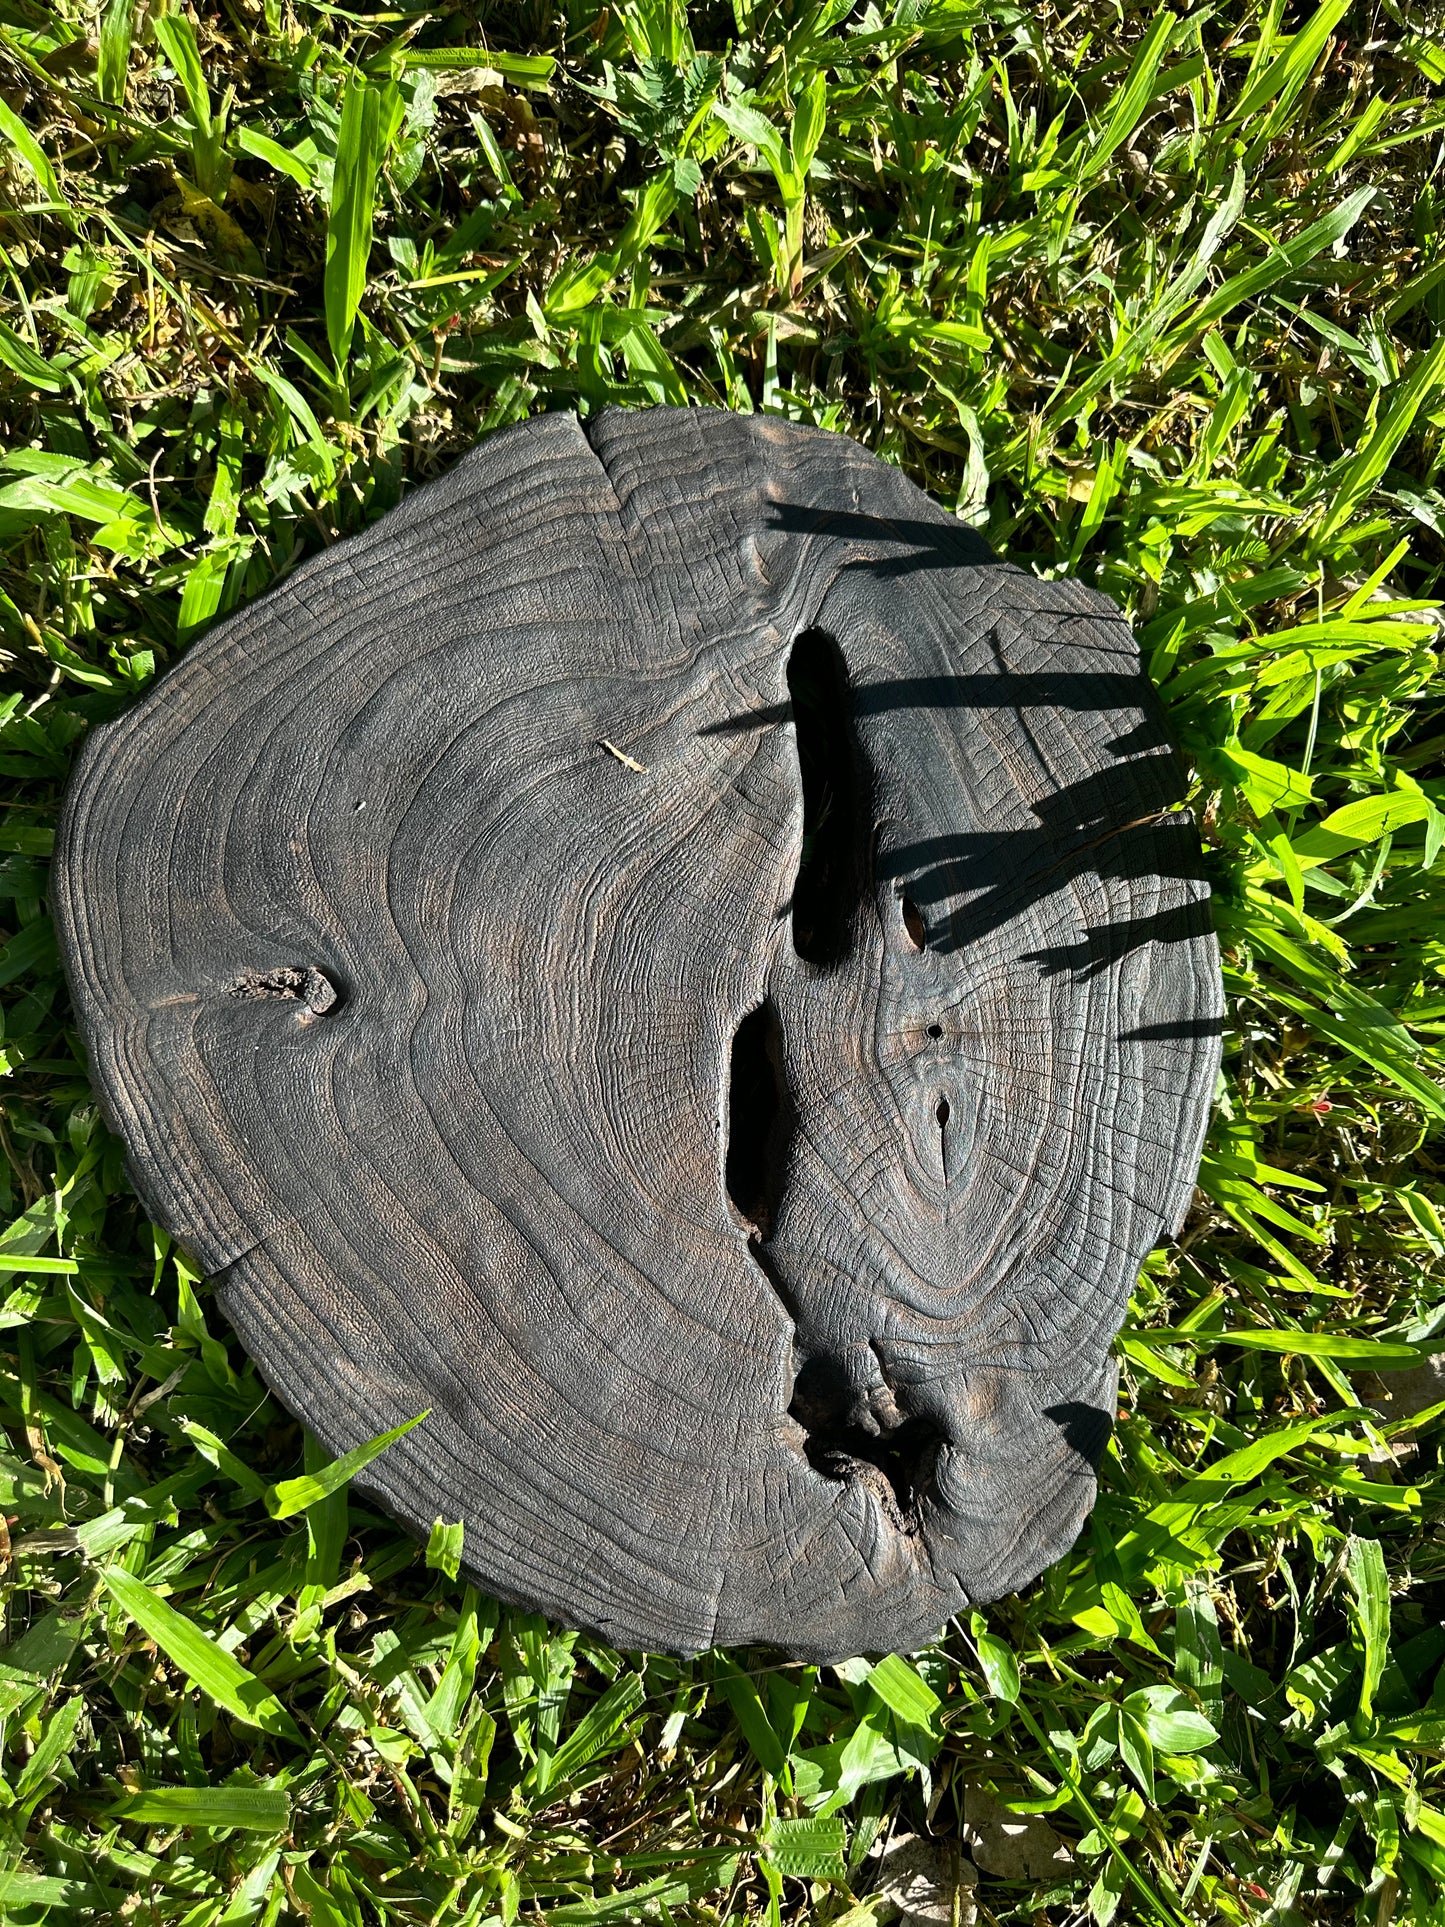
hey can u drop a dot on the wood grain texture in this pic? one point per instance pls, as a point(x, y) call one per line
point(755, 1295)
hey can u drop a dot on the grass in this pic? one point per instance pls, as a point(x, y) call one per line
point(1153, 298)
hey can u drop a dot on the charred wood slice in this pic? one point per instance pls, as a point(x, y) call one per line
point(668, 954)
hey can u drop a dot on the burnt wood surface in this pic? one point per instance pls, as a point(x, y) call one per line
point(669, 955)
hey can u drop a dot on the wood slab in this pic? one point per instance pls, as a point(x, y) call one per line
point(669, 955)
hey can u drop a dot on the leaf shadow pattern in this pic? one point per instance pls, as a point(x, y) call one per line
point(1124, 822)
point(1086, 1428)
point(1178, 1029)
point(1125, 829)
point(935, 545)
point(1102, 945)
point(987, 689)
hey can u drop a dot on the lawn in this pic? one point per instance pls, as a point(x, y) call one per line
point(1155, 299)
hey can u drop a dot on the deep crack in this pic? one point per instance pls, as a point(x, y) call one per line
point(834, 859)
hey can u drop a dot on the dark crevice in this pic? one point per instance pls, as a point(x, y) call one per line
point(913, 923)
point(896, 1459)
point(291, 984)
point(761, 1257)
point(833, 863)
point(758, 1119)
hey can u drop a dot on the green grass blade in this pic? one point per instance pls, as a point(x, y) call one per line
point(997, 1659)
point(178, 38)
point(1131, 100)
point(445, 1546)
point(55, 1745)
point(1359, 823)
point(301, 413)
point(1277, 266)
point(113, 55)
point(742, 1696)
point(22, 358)
point(527, 70)
point(253, 1808)
point(21, 1888)
point(636, 1904)
point(1287, 73)
point(207, 1665)
point(1427, 373)
point(32, 155)
point(217, 1453)
point(806, 1849)
point(903, 1692)
point(261, 147)
point(1370, 1584)
point(350, 213)
point(290, 1496)
point(1305, 1344)
point(591, 1733)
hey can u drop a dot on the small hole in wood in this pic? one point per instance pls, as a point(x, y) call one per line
point(935, 1030)
point(913, 923)
point(942, 1113)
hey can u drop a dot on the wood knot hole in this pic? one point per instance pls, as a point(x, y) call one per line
point(290, 984)
point(872, 1440)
